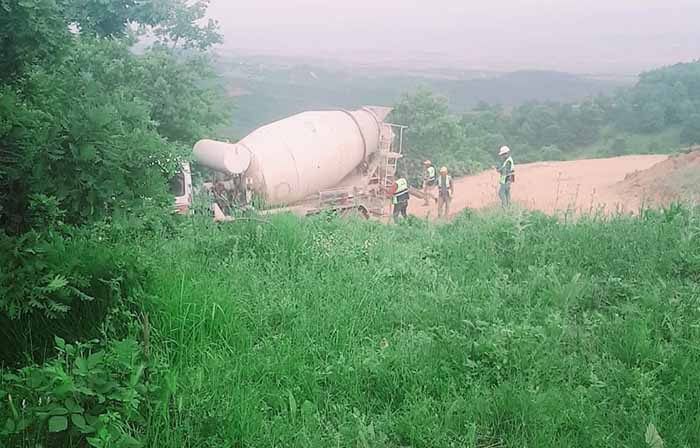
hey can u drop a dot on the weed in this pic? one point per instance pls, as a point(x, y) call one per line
point(495, 330)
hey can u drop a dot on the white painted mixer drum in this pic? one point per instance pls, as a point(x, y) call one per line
point(223, 157)
point(306, 153)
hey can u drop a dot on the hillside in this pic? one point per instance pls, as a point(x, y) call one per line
point(493, 330)
point(660, 114)
point(674, 179)
point(264, 90)
point(125, 325)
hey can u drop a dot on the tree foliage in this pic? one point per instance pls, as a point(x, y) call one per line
point(432, 131)
point(171, 22)
point(31, 31)
point(86, 122)
point(662, 99)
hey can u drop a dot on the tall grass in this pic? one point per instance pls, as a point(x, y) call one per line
point(501, 330)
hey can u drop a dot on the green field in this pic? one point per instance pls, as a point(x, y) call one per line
point(495, 330)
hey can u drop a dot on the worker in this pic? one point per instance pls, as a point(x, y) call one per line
point(507, 175)
point(222, 205)
point(428, 180)
point(220, 196)
point(446, 190)
point(400, 198)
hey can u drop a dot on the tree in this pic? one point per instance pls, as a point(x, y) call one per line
point(94, 149)
point(551, 152)
point(97, 129)
point(690, 133)
point(29, 32)
point(662, 98)
point(181, 26)
point(619, 146)
point(172, 22)
point(183, 104)
point(651, 118)
point(432, 131)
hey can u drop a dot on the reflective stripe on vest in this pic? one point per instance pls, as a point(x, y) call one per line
point(505, 172)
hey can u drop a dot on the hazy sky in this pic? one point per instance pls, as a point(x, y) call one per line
point(601, 36)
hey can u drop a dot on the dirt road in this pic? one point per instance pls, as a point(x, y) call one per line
point(581, 186)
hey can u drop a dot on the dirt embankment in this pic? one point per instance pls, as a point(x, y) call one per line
point(674, 179)
point(580, 186)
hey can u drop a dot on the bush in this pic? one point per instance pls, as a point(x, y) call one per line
point(63, 284)
point(551, 153)
point(619, 146)
point(86, 394)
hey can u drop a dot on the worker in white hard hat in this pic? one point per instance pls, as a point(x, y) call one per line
point(428, 180)
point(446, 190)
point(506, 175)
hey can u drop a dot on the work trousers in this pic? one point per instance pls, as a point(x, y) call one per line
point(444, 205)
point(504, 194)
point(427, 187)
point(400, 209)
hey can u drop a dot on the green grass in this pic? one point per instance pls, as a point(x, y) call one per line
point(492, 331)
point(495, 330)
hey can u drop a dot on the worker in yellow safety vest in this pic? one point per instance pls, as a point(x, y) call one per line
point(400, 198)
point(506, 175)
point(446, 190)
point(428, 180)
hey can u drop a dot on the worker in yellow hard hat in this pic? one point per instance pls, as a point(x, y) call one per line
point(428, 180)
point(446, 190)
point(506, 175)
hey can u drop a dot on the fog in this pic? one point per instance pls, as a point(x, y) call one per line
point(593, 36)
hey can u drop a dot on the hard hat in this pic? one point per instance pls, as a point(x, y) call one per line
point(427, 162)
point(504, 150)
point(443, 169)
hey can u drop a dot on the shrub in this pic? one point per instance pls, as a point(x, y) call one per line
point(552, 152)
point(619, 146)
point(62, 284)
point(86, 394)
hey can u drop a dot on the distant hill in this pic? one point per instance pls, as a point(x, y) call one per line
point(266, 89)
point(519, 87)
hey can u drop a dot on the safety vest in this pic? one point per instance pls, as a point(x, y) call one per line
point(401, 189)
point(444, 184)
point(447, 179)
point(507, 169)
point(431, 173)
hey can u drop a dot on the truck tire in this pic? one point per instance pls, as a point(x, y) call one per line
point(355, 212)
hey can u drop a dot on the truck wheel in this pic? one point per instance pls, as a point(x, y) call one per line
point(356, 212)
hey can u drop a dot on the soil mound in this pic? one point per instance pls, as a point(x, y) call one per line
point(674, 179)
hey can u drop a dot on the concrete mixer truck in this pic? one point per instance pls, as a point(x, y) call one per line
point(337, 160)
